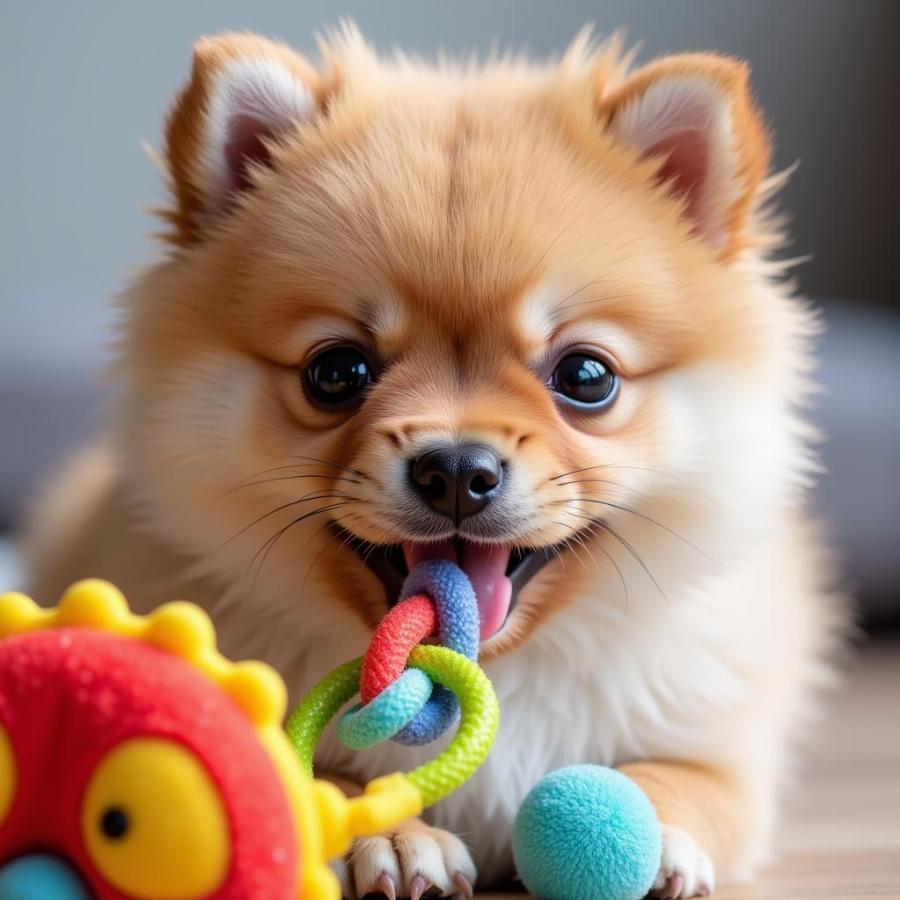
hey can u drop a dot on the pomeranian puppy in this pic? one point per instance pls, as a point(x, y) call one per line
point(521, 316)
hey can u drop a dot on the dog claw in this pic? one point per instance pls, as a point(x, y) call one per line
point(464, 885)
point(385, 885)
point(417, 886)
point(674, 887)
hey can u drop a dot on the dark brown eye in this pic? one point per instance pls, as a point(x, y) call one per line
point(338, 376)
point(585, 381)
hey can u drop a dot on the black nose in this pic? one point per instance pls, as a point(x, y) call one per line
point(457, 481)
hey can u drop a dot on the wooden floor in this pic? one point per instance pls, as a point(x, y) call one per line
point(841, 839)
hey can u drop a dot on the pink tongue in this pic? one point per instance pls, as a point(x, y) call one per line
point(486, 567)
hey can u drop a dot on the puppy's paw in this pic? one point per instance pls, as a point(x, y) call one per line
point(413, 860)
point(685, 869)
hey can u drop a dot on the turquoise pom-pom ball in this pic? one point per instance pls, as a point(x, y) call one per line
point(587, 833)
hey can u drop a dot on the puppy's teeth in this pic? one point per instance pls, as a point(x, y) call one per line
point(417, 887)
point(385, 885)
point(464, 885)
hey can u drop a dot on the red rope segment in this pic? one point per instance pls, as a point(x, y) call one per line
point(407, 624)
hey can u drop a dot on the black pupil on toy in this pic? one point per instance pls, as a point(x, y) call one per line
point(338, 375)
point(114, 823)
point(584, 379)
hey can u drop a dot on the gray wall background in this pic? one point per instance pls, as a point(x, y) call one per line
point(83, 83)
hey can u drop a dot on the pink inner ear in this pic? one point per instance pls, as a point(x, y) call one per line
point(244, 147)
point(686, 165)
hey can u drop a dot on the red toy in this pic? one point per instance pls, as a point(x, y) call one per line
point(129, 726)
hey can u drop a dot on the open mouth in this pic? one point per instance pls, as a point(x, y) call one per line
point(497, 571)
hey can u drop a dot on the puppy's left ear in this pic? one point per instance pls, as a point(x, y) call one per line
point(244, 94)
point(695, 113)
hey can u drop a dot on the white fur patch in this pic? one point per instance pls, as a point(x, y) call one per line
point(624, 351)
point(385, 318)
point(317, 331)
point(536, 316)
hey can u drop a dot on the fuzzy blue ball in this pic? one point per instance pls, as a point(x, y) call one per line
point(587, 833)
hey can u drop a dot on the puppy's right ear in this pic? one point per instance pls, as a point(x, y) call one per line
point(245, 92)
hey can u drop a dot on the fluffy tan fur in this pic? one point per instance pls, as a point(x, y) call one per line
point(465, 224)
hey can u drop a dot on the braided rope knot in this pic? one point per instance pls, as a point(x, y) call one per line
point(399, 702)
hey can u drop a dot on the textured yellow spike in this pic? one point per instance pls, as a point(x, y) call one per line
point(95, 604)
point(19, 613)
point(259, 691)
point(182, 629)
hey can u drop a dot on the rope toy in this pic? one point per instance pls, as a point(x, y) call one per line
point(413, 692)
point(402, 704)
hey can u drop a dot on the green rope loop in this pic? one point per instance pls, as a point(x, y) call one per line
point(480, 717)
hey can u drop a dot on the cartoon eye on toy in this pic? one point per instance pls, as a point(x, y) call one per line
point(149, 805)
